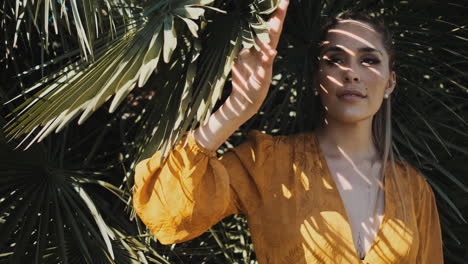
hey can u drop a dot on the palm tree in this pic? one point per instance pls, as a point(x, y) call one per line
point(161, 68)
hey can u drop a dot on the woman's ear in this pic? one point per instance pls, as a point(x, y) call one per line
point(391, 83)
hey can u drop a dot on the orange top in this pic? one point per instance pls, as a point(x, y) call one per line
point(294, 210)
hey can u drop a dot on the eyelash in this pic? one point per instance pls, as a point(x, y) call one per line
point(371, 61)
point(335, 60)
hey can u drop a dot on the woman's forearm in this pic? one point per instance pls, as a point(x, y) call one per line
point(235, 111)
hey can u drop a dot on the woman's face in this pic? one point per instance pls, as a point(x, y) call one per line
point(354, 72)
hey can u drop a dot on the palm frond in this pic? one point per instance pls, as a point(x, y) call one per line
point(84, 89)
point(43, 206)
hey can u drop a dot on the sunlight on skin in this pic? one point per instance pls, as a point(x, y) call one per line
point(223, 115)
point(358, 23)
point(344, 182)
point(232, 108)
point(349, 34)
point(249, 69)
point(237, 74)
point(243, 82)
point(356, 169)
point(323, 88)
point(371, 219)
point(343, 68)
point(243, 92)
point(335, 80)
point(350, 52)
point(203, 135)
point(245, 97)
point(365, 227)
point(375, 71)
point(237, 104)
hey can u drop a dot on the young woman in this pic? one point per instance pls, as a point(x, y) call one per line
point(333, 195)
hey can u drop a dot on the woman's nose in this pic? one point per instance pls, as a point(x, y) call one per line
point(350, 75)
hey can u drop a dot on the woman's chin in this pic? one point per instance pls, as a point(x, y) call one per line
point(349, 117)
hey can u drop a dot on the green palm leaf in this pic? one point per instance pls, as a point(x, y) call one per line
point(48, 214)
point(84, 89)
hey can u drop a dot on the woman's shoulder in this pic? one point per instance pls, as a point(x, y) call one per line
point(409, 171)
point(413, 177)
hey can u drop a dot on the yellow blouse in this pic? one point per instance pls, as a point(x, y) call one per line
point(294, 210)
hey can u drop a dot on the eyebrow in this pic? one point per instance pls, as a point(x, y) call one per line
point(362, 49)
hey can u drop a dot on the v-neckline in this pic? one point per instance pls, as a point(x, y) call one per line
point(330, 178)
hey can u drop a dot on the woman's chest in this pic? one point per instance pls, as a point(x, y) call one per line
point(303, 219)
point(362, 193)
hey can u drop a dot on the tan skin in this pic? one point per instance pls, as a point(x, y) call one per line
point(361, 65)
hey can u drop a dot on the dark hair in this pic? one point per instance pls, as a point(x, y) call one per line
point(377, 23)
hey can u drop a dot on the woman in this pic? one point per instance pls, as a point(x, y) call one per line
point(334, 195)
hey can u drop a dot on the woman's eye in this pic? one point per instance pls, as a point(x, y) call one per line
point(370, 61)
point(334, 60)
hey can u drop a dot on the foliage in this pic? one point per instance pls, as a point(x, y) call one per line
point(166, 65)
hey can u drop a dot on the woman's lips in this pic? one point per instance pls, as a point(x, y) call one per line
point(352, 97)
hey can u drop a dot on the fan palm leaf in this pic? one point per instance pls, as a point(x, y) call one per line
point(131, 61)
point(48, 214)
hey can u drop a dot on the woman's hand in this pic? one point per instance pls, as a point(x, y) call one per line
point(251, 78)
point(252, 72)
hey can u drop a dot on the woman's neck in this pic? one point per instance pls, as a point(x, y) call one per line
point(339, 139)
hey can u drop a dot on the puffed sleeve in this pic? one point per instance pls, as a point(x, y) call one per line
point(192, 189)
point(430, 238)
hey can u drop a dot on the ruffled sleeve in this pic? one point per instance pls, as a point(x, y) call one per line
point(430, 238)
point(192, 189)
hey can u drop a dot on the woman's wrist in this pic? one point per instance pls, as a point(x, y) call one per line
point(245, 105)
point(224, 122)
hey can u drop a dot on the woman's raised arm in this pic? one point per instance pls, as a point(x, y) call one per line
point(191, 190)
point(251, 78)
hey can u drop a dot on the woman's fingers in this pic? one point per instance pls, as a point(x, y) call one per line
point(275, 23)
